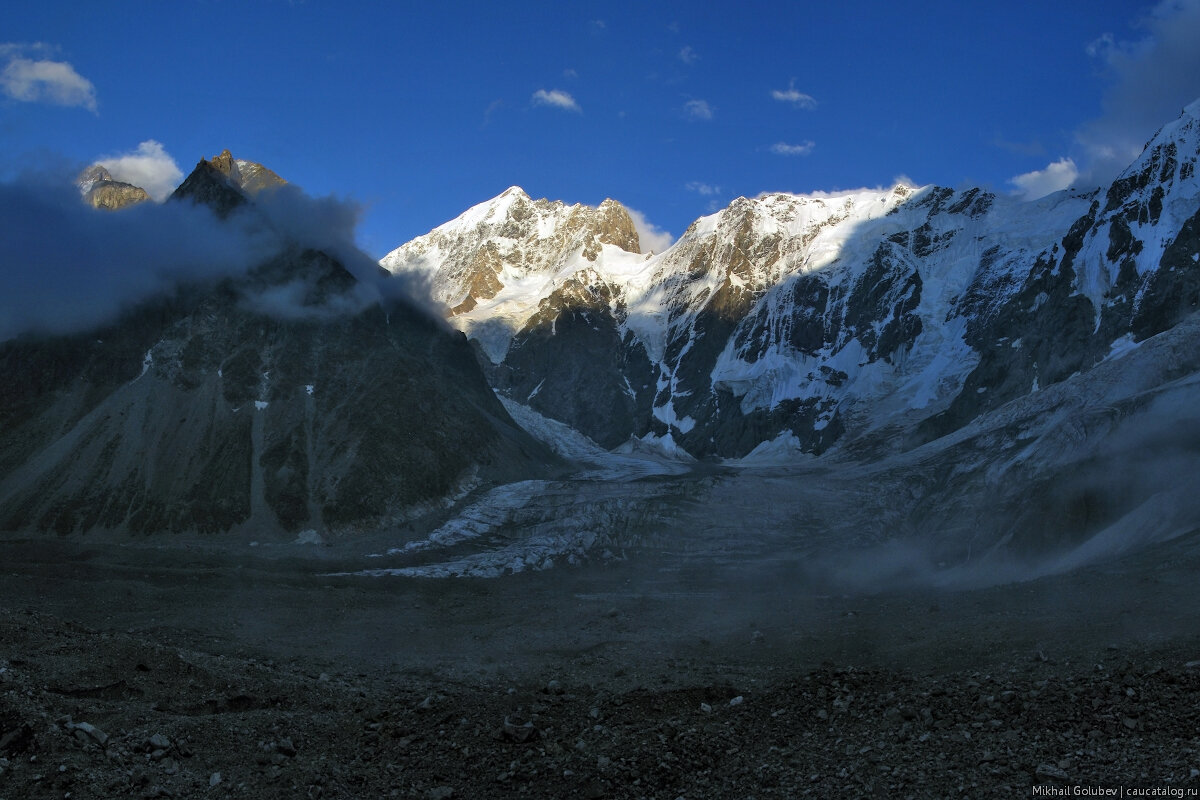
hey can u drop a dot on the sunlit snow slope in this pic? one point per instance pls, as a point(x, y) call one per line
point(813, 321)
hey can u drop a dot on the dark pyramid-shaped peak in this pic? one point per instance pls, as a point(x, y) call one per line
point(210, 185)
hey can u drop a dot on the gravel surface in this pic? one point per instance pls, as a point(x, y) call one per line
point(183, 671)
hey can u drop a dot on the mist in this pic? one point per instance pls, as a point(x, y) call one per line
point(69, 267)
point(1134, 486)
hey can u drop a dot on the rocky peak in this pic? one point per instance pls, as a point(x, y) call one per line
point(249, 176)
point(507, 239)
point(90, 177)
point(210, 185)
point(99, 189)
point(614, 226)
point(227, 166)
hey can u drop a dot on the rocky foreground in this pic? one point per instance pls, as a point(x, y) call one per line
point(88, 714)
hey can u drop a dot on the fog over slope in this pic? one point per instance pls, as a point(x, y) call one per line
point(226, 361)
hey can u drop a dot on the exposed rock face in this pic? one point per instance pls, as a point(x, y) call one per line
point(507, 240)
point(208, 185)
point(248, 176)
point(560, 347)
point(217, 408)
point(101, 191)
point(820, 320)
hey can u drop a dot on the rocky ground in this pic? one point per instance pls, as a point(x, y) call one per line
point(142, 669)
point(90, 714)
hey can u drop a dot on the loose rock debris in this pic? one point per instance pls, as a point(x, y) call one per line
point(191, 724)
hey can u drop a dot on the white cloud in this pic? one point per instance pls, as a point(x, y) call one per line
point(570, 74)
point(1041, 182)
point(556, 98)
point(149, 166)
point(652, 238)
point(1152, 79)
point(698, 109)
point(793, 97)
point(42, 80)
point(703, 189)
point(785, 149)
point(688, 55)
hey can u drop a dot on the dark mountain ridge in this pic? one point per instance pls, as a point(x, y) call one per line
point(285, 399)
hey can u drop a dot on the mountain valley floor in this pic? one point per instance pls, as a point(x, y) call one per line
point(201, 667)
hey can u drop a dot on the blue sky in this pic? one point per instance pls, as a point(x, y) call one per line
point(418, 111)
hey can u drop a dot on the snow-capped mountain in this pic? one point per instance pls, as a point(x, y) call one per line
point(823, 319)
point(492, 265)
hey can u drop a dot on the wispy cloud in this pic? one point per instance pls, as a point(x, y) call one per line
point(1041, 182)
point(652, 238)
point(785, 149)
point(1101, 46)
point(703, 188)
point(492, 108)
point(30, 79)
point(570, 74)
point(688, 55)
point(793, 97)
point(556, 98)
point(149, 166)
point(1152, 79)
point(698, 109)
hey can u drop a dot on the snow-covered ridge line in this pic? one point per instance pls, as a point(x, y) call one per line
point(820, 316)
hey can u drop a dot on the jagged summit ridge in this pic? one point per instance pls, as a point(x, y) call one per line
point(498, 259)
point(249, 176)
point(827, 317)
point(224, 183)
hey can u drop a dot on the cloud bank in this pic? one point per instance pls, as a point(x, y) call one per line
point(148, 166)
point(31, 80)
point(69, 267)
point(1152, 79)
